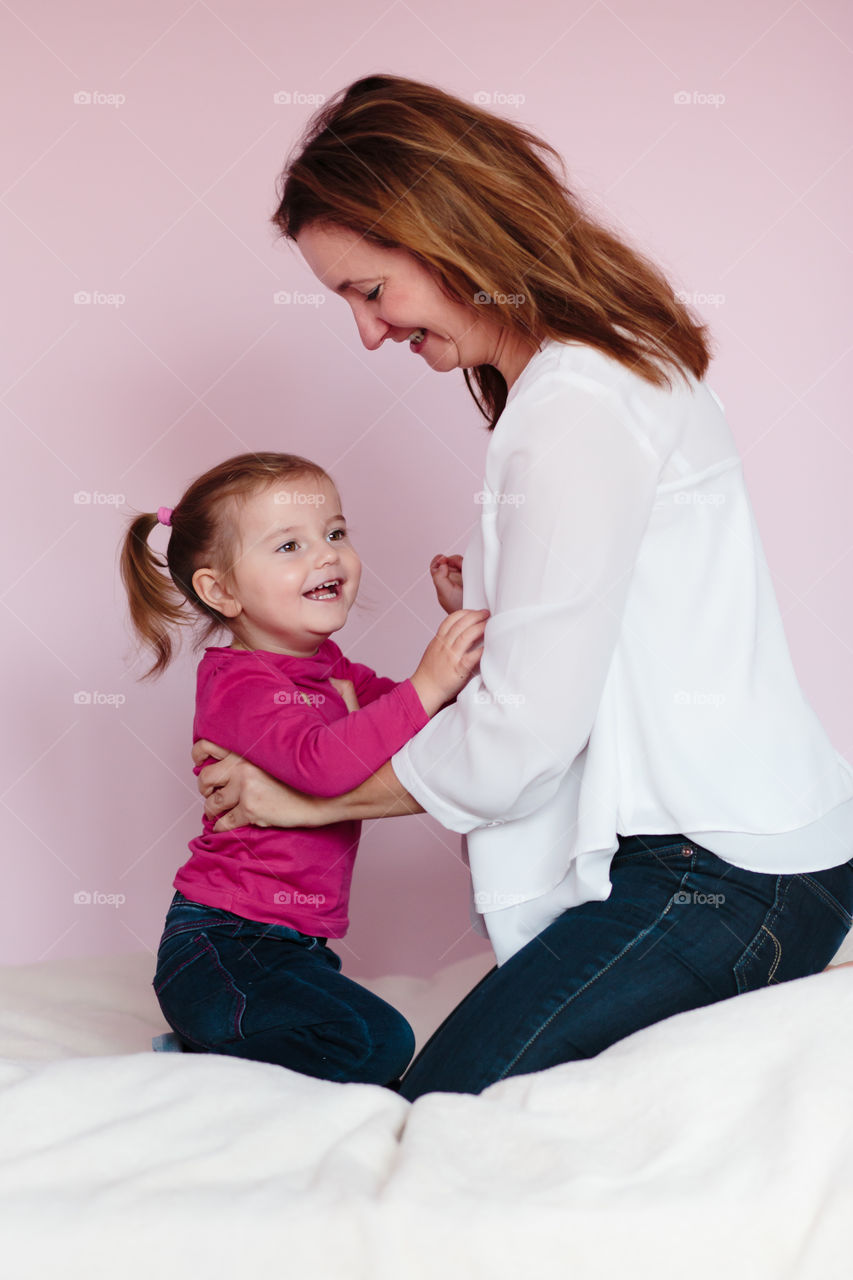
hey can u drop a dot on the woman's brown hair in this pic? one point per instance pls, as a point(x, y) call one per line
point(201, 533)
point(472, 197)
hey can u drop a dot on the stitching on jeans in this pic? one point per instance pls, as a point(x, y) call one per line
point(639, 938)
point(209, 950)
point(828, 898)
point(778, 956)
point(241, 1003)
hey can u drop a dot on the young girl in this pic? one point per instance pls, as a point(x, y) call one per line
point(259, 545)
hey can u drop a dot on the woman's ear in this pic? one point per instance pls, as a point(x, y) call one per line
point(209, 587)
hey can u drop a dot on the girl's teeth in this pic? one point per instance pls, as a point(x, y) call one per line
point(326, 591)
point(417, 337)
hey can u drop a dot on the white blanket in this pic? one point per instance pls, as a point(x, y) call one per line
point(715, 1144)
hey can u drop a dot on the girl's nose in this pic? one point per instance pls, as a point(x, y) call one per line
point(328, 554)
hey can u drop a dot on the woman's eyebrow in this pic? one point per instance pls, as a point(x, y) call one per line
point(345, 284)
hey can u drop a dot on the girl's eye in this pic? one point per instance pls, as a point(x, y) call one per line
point(374, 294)
point(285, 545)
point(337, 534)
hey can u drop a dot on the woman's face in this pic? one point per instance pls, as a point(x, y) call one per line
point(392, 295)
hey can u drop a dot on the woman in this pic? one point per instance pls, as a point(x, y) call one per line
point(654, 817)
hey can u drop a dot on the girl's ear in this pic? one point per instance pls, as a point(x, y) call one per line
point(209, 588)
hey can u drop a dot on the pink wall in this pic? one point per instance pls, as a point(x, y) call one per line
point(157, 193)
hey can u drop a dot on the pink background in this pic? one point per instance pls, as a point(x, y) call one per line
point(162, 199)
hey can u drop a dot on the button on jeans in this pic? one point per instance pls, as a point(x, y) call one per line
point(252, 990)
point(681, 929)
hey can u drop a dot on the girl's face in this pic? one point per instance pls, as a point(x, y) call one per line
point(296, 574)
point(392, 295)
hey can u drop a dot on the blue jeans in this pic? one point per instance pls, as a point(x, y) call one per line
point(252, 990)
point(681, 929)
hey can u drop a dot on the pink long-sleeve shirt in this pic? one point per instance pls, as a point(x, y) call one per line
point(283, 715)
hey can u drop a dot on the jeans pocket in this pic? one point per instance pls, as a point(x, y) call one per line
point(759, 962)
point(197, 995)
point(802, 930)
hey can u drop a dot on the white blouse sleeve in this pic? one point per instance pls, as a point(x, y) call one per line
point(566, 505)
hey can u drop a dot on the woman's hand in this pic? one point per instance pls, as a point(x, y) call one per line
point(447, 579)
point(239, 794)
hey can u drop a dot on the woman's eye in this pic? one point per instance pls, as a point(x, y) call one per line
point(374, 294)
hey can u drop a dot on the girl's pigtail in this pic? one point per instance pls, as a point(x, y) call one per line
point(156, 607)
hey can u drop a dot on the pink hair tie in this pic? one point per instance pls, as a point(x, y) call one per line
point(164, 514)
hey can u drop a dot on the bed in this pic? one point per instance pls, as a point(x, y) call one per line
point(717, 1142)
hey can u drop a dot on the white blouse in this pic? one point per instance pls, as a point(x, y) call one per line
point(636, 677)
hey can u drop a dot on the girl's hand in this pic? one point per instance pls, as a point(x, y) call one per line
point(447, 579)
point(346, 689)
point(239, 794)
point(450, 658)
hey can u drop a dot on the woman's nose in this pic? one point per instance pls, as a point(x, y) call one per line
point(371, 330)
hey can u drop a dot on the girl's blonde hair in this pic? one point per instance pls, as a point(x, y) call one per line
point(472, 197)
point(201, 534)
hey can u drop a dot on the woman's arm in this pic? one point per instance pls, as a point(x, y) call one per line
point(239, 794)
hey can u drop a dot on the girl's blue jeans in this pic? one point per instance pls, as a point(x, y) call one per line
point(252, 990)
point(681, 929)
